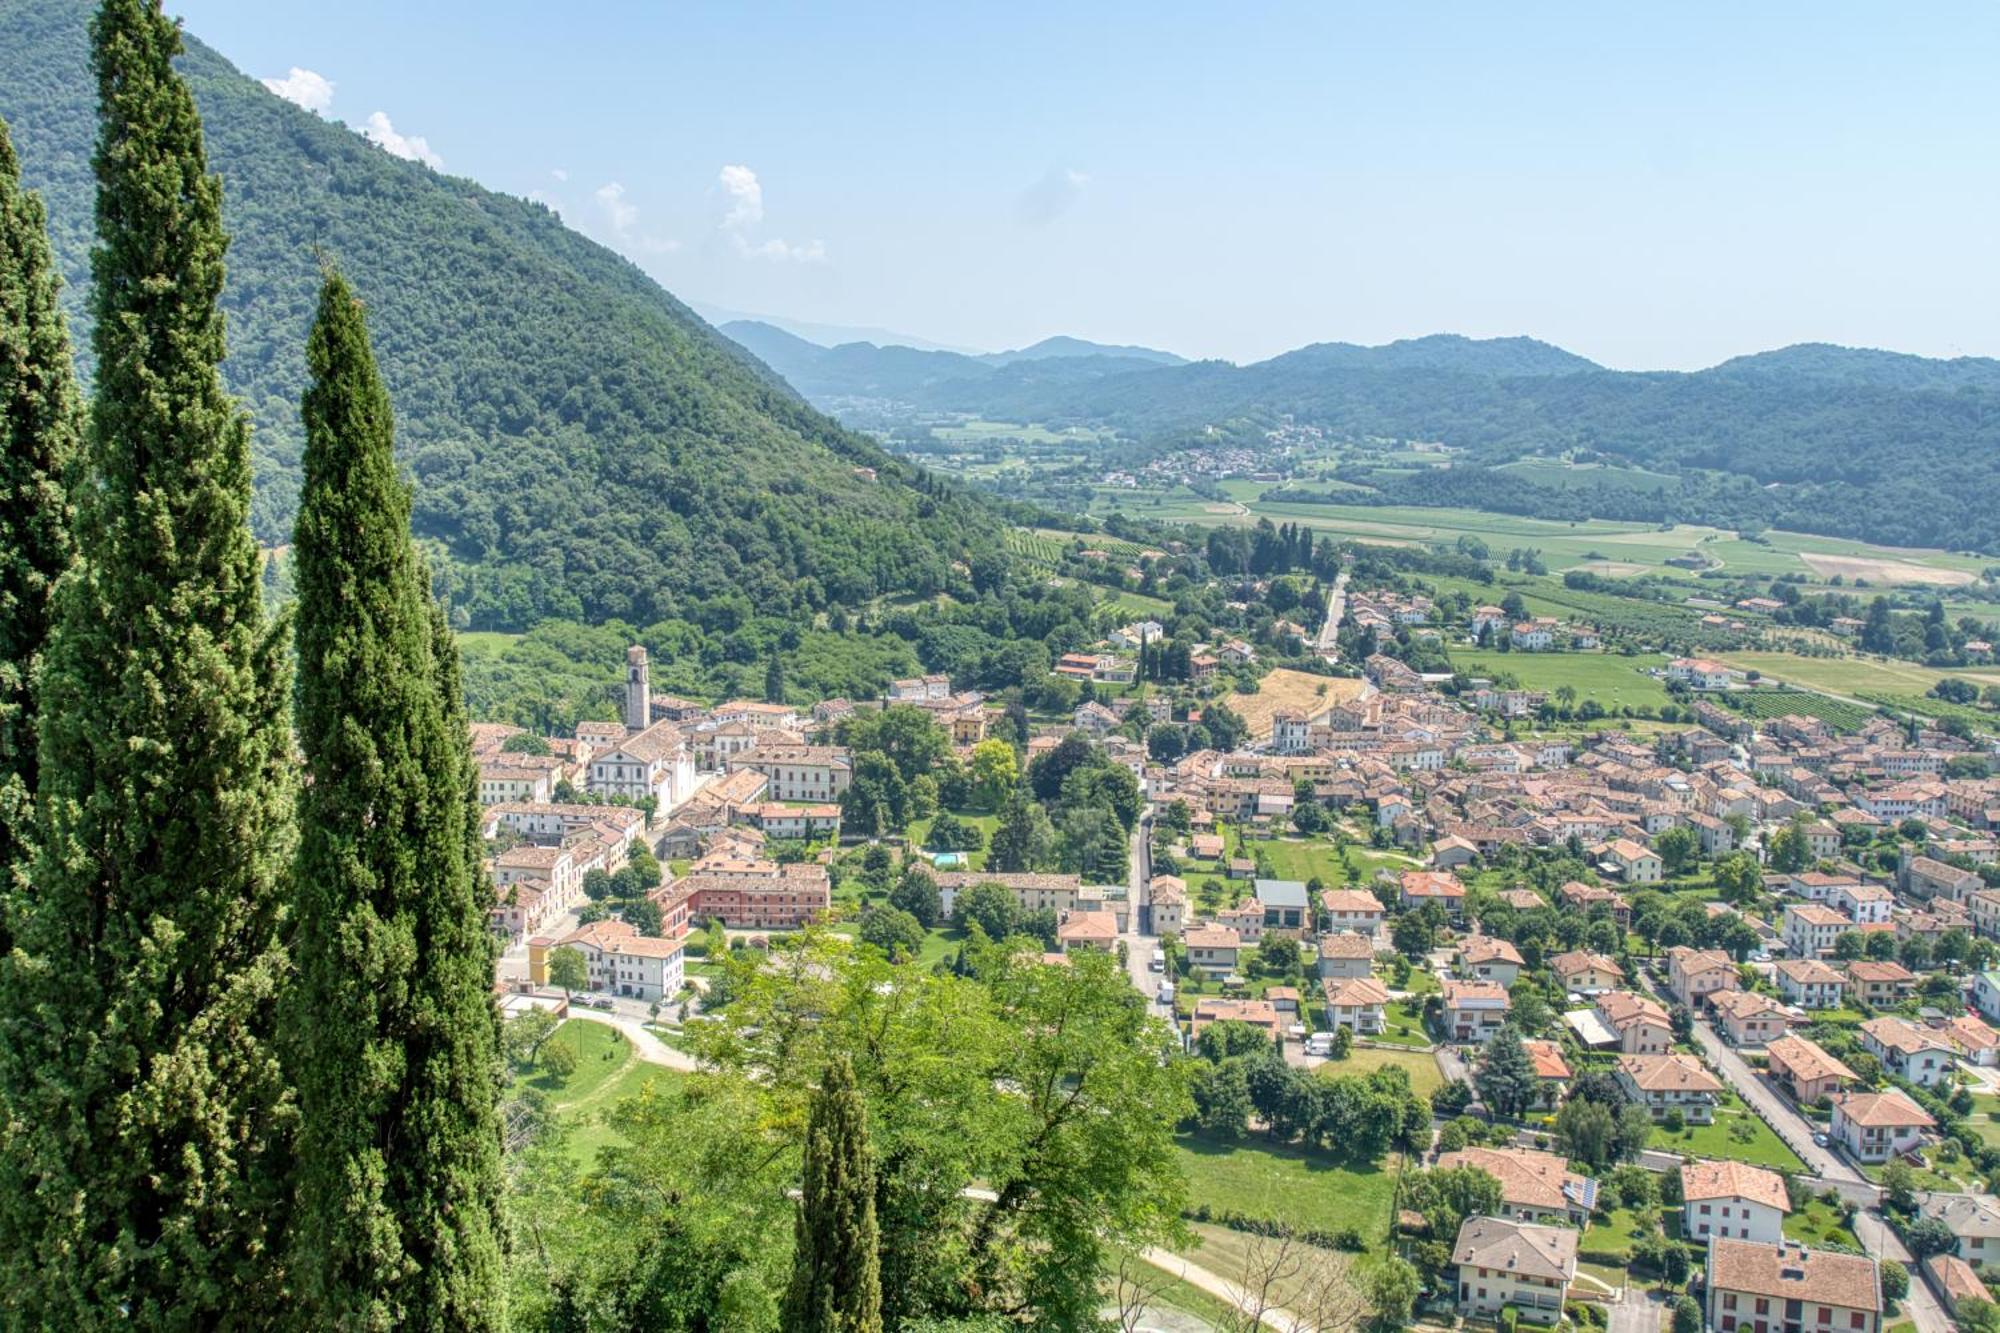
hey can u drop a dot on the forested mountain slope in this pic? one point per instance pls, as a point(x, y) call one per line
point(581, 443)
point(1874, 445)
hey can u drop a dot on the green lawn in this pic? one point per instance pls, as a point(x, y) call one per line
point(1818, 1222)
point(1422, 1067)
point(985, 822)
point(1613, 680)
point(1985, 1119)
point(1619, 1231)
point(607, 1072)
point(1403, 1023)
point(1306, 1189)
point(1762, 1148)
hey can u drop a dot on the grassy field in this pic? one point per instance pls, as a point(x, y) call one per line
point(1817, 1223)
point(1568, 545)
point(1609, 678)
point(607, 1072)
point(1422, 1068)
point(1761, 1148)
point(1618, 1231)
point(1850, 675)
point(1307, 1189)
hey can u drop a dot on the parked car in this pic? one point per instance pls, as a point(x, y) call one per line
point(1820, 1140)
point(1165, 994)
point(602, 1002)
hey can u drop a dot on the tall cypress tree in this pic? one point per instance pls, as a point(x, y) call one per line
point(40, 421)
point(147, 1107)
point(836, 1282)
point(391, 1029)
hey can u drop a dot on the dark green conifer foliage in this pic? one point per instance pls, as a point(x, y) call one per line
point(390, 1029)
point(836, 1271)
point(148, 1112)
point(40, 420)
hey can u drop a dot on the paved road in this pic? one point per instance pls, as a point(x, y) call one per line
point(1336, 608)
point(1138, 945)
point(644, 1044)
point(1920, 1305)
point(1776, 1109)
point(1641, 1311)
point(1276, 1318)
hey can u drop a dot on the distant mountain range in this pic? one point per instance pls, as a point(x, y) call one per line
point(865, 370)
point(581, 444)
point(1851, 442)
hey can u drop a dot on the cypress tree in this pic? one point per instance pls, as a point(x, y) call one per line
point(390, 1029)
point(40, 421)
point(836, 1272)
point(147, 1107)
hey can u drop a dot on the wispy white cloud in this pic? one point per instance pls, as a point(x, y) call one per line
point(620, 212)
point(1051, 196)
point(621, 218)
point(559, 174)
point(746, 212)
point(304, 88)
point(409, 147)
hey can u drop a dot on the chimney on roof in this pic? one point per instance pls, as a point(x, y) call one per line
point(638, 689)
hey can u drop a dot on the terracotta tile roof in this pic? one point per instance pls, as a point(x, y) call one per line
point(1620, 1009)
point(1807, 1060)
point(1458, 992)
point(1745, 1004)
point(1548, 1058)
point(1792, 1272)
point(1882, 1110)
point(1354, 992)
point(1958, 1279)
point(1809, 972)
point(1901, 1035)
point(1581, 960)
point(1488, 949)
point(1668, 1073)
point(1528, 1179)
point(1346, 944)
point(1350, 900)
point(1212, 937)
point(1734, 1180)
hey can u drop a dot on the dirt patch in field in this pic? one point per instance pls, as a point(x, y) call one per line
point(1612, 569)
point(1851, 567)
point(1286, 691)
point(1230, 508)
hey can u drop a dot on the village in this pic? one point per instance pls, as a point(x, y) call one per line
point(1713, 1005)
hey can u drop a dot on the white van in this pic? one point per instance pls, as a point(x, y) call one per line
point(1320, 1043)
point(1165, 995)
point(1159, 963)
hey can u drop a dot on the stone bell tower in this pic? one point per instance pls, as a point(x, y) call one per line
point(638, 690)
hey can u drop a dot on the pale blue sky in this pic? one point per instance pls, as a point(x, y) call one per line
point(1658, 186)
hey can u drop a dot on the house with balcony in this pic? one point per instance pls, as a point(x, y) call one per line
point(1876, 1126)
point(1663, 1083)
point(1474, 1010)
point(1810, 984)
point(1583, 973)
point(1806, 1069)
point(1918, 1054)
point(1502, 1263)
point(1748, 1017)
point(1490, 959)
